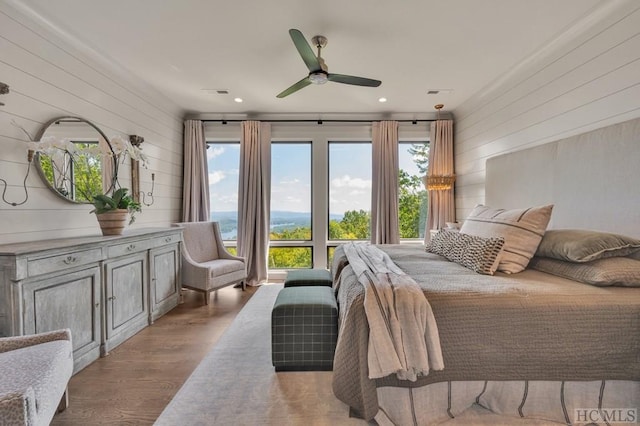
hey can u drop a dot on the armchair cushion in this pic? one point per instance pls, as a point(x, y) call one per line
point(34, 378)
point(220, 267)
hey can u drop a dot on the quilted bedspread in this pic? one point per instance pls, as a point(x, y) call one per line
point(528, 326)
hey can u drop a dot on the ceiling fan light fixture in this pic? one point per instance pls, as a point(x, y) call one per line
point(318, 77)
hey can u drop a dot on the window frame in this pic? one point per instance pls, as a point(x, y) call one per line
point(319, 136)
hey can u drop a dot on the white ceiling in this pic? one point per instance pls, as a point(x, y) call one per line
point(183, 46)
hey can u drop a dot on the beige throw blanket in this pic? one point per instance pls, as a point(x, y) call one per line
point(403, 334)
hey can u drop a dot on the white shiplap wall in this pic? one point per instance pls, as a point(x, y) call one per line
point(50, 77)
point(587, 78)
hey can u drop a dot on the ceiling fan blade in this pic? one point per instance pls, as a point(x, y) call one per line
point(297, 86)
point(305, 50)
point(356, 81)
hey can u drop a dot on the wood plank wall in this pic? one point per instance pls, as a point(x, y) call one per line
point(48, 77)
point(587, 78)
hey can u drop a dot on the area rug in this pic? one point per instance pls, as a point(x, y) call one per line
point(235, 384)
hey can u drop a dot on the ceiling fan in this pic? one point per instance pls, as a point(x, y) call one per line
point(318, 70)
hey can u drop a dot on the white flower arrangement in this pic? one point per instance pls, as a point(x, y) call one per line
point(56, 148)
point(121, 146)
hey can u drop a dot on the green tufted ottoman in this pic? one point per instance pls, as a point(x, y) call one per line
point(304, 329)
point(308, 277)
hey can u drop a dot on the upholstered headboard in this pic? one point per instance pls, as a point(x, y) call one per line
point(593, 179)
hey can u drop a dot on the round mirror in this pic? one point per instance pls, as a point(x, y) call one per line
point(75, 159)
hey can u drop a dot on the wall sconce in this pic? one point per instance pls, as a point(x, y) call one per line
point(24, 184)
point(138, 195)
point(30, 155)
point(150, 193)
point(4, 89)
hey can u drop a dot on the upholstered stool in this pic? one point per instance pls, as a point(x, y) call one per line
point(308, 277)
point(304, 329)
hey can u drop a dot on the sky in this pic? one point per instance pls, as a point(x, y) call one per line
point(349, 176)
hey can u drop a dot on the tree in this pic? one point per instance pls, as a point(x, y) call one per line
point(412, 205)
point(355, 225)
point(420, 154)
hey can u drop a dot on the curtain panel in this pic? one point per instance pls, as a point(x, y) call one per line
point(195, 197)
point(254, 198)
point(441, 203)
point(384, 185)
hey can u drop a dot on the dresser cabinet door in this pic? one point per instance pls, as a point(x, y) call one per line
point(68, 301)
point(127, 306)
point(165, 279)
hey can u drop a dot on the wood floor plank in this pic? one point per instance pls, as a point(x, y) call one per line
point(133, 384)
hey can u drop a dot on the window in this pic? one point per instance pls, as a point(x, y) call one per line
point(290, 216)
point(413, 159)
point(224, 163)
point(349, 190)
point(320, 188)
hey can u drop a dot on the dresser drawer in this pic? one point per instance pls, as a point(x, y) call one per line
point(135, 246)
point(63, 261)
point(166, 239)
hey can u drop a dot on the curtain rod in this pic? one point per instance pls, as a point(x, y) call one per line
point(316, 121)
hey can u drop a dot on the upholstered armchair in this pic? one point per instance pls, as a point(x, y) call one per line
point(206, 263)
point(34, 373)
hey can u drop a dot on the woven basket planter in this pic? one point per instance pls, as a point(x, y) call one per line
point(114, 222)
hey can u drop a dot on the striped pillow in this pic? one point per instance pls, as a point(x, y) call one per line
point(479, 254)
point(522, 230)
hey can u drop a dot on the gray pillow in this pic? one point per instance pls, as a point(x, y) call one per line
point(579, 245)
point(612, 271)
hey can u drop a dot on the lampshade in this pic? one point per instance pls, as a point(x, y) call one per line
point(439, 183)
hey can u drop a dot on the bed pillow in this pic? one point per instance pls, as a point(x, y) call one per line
point(611, 271)
point(579, 245)
point(522, 230)
point(441, 242)
point(479, 254)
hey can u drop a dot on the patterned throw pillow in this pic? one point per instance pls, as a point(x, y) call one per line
point(441, 242)
point(522, 230)
point(479, 254)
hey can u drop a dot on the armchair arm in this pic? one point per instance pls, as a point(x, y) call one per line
point(18, 407)
point(222, 250)
point(192, 271)
point(17, 342)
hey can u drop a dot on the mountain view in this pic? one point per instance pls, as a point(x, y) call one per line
point(280, 221)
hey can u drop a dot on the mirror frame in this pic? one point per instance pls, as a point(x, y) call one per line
point(41, 133)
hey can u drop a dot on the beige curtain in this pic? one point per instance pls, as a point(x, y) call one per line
point(195, 195)
point(441, 203)
point(254, 198)
point(384, 188)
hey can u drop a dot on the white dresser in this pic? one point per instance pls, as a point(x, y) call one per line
point(105, 289)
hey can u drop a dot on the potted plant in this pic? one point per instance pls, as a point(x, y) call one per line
point(112, 211)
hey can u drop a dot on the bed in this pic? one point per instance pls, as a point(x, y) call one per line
point(527, 344)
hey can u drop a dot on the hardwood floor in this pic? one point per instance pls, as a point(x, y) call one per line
point(137, 380)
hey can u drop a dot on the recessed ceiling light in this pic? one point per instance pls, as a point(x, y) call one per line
point(238, 100)
point(382, 100)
